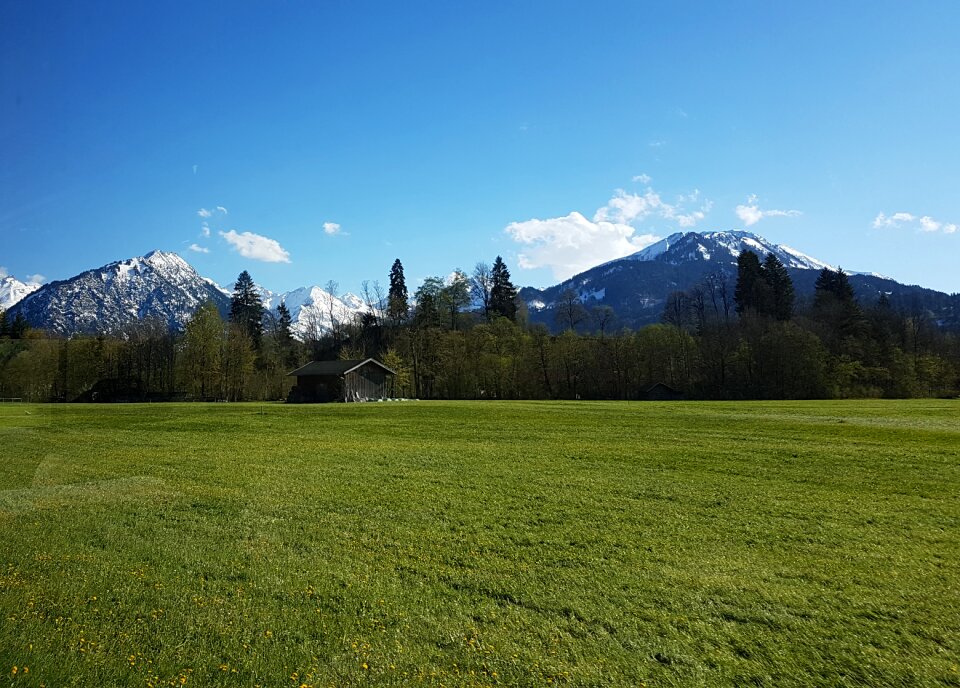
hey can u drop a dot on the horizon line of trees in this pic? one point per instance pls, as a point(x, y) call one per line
point(470, 337)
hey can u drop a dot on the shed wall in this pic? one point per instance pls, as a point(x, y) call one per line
point(368, 382)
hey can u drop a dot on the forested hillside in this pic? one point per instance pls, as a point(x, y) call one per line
point(470, 337)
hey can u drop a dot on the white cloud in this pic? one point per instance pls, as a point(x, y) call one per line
point(221, 209)
point(691, 219)
point(659, 143)
point(924, 223)
point(571, 244)
point(205, 230)
point(643, 178)
point(256, 247)
point(626, 207)
point(35, 279)
point(331, 228)
point(203, 212)
point(3, 272)
point(198, 249)
point(750, 213)
point(894, 220)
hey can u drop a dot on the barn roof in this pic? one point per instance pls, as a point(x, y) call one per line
point(335, 368)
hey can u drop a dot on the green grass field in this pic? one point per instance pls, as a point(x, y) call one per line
point(460, 544)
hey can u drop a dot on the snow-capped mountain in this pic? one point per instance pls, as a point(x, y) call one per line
point(637, 286)
point(13, 290)
point(721, 247)
point(163, 286)
point(159, 285)
point(311, 309)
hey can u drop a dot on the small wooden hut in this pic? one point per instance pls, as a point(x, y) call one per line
point(322, 381)
point(662, 392)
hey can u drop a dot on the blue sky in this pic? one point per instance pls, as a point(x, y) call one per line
point(337, 136)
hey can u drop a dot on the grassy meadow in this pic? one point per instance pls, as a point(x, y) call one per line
point(490, 543)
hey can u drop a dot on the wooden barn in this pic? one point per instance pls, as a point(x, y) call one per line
point(322, 381)
point(662, 392)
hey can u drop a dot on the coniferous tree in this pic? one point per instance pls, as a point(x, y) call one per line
point(835, 306)
point(284, 335)
point(752, 290)
point(4, 328)
point(781, 287)
point(246, 308)
point(18, 328)
point(503, 294)
point(398, 297)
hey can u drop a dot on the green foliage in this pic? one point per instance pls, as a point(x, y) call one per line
point(202, 352)
point(512, 543)
point(832, 348)
point(455, 298)
point(429, 303)
point(246, 308)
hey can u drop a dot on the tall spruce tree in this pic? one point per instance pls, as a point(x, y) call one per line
point(246, 308)
point(781, 288)
point(503, 295)
point(752, 289)
point(833, 287)
point(284, 335)
point(835, 305)
point(398, 298)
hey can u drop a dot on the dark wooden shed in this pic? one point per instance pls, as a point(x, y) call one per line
point(662, 392)
point(357, 380)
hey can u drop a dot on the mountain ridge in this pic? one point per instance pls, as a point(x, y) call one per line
point(163, 285)
point(637, 286)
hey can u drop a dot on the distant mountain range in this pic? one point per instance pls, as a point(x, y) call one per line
point(162, 285)
point(637, 286)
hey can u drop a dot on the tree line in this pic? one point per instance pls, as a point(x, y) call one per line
point(469, 336)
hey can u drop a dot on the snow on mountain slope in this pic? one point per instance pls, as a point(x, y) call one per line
point(637, 286)
point(159, 285)
point(13, 290)
point(721, 247)
point(311, 309)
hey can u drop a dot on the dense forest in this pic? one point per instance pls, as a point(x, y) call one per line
point(469, 337)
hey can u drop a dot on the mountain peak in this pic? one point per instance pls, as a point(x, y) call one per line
point(159, 285)
point(722, 247)
point(12, 290)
